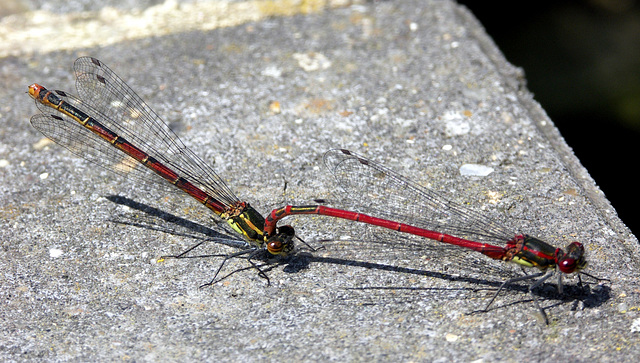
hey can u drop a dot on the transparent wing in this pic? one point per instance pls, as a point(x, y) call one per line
point(365, 181)
point(66, 132)
point(107, 98)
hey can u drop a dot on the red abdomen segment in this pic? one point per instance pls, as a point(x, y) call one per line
point(495, 252)
point(50, 99)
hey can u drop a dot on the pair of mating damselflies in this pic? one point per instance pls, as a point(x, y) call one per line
point(111, 126)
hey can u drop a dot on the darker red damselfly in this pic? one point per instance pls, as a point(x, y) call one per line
point(110, 125)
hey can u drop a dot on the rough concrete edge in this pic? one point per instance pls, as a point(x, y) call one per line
point(514, 77)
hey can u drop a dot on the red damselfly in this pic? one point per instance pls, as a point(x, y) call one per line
point(433, 216)
point(110, 125)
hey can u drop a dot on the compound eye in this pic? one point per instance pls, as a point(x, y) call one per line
point(275, 247)
point(573, 260)
point(568, 265)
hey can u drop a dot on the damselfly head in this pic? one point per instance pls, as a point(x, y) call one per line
point(282, 243)
point(573, 260)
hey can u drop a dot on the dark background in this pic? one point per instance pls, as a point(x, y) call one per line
point(582, 62)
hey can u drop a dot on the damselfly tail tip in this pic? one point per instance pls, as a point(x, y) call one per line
point(34, 90)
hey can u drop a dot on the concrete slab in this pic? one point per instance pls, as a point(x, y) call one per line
point(415, 85)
